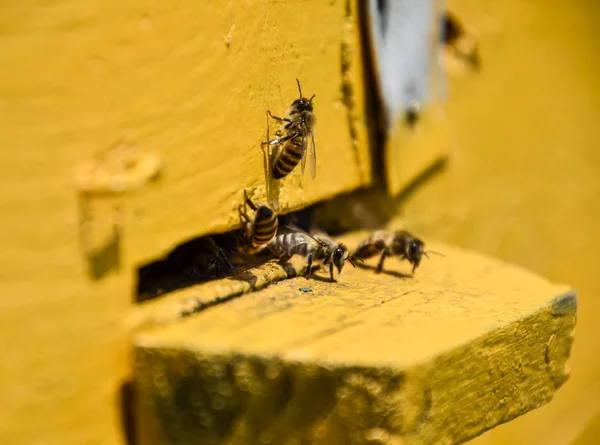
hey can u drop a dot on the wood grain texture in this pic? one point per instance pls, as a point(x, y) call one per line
point(468, 343)
point(217, 74)
point(189, 82)
point(182, 303)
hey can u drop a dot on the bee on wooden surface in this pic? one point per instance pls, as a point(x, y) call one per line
point(317, 248)
point(261, 229)
point(297, 141)
point(398, 243)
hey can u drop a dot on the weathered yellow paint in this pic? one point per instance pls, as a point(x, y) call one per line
point(178, 304)
point(210, 123)
point(468, 343)
point(188, 82)
point(191, 83)
point(522, 182)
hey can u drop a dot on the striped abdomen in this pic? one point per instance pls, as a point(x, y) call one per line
point(288, 158)
point(371, 246)
point(286, 245)
point(264, 227)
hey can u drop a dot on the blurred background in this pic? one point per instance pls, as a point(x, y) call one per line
point(523, 180)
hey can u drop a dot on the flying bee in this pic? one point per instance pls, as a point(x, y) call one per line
point(297, 140)
point(259, 230)
point(398, 243)
point(317, 248)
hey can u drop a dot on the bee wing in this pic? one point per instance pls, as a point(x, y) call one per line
point(309, 153)
point(312, 158)
point(295, 228)
point(303, 162)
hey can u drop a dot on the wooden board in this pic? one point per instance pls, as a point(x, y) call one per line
point(188, 82)
point(468, 343)
point(223, 70)
point(403, 41)
point(192, 84)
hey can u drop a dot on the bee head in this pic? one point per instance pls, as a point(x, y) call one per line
point(414, 252)
point(339, 257)
point(303, 104)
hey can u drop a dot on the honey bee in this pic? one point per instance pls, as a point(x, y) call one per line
point(317, 248)
point(259, 230)
point(459, 41)
point(398, 243)
point(297, 130)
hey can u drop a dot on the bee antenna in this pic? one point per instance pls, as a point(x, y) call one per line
point(351, 262)
point(431, 251)
point(313, 96)
point(299, 89)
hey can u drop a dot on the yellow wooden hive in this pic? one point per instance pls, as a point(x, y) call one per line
point(132, 127)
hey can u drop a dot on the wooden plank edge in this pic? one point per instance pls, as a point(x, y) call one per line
point(204, 397)
point(194, 299)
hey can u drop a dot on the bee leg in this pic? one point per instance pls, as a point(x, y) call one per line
point(244, 218)
point(248, 201)
point(219, 254)
point(225, 259)
point(381, 260)
point(331, 271)
point(275, 141)
point(282, 119)
point(284, 259)
point(309, 265)
point(216, 266)
point(281, 140)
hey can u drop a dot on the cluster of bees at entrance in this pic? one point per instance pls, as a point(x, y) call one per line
point(261, 230)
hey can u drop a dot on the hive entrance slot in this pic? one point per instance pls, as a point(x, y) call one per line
point(203, 259)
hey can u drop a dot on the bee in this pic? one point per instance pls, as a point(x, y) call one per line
point(413, 112)
point(260, 230)
point(398, 243)
point(297, 140)
point(459, 41)
point(317, 248)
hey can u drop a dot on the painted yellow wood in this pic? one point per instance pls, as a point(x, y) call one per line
point(411, 151)
point(216, 75)
point(466, 344)
point(522, 178)
point(188, 84)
